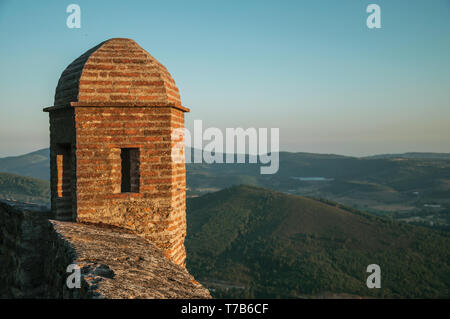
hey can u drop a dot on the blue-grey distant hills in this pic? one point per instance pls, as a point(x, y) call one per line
point(414, 187)
point(35, 164)
point(416, 155)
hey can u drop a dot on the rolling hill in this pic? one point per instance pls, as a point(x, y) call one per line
point(413, 187)
point(404, 188)
point(24, 189)
point(246, 241)
point(35, 164)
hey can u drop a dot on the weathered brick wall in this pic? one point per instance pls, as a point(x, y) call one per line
point(158, 211)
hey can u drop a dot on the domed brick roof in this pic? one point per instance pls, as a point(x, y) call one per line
point(117, 72)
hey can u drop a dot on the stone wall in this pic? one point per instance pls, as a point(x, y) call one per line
point(114, 263)
point(33, 258)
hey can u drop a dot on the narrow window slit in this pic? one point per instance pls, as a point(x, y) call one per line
point(130, 170)
point(64, 171)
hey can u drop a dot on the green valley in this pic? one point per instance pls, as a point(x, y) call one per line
point(246, 241)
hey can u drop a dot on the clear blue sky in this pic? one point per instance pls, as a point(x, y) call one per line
point(311, 68)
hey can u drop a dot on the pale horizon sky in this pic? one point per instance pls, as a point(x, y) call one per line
point(311, 68)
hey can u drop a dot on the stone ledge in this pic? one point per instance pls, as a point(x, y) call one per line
point(35, 252)
point(117, 264)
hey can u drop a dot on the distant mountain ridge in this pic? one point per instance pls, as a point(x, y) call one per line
point(35, 164)
point(398, 185)
point(413, 155)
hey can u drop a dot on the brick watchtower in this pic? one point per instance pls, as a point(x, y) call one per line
point(111, 145)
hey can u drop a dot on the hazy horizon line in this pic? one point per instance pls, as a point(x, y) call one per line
point(281, 151)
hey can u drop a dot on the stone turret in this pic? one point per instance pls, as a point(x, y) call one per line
point(112, 143)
